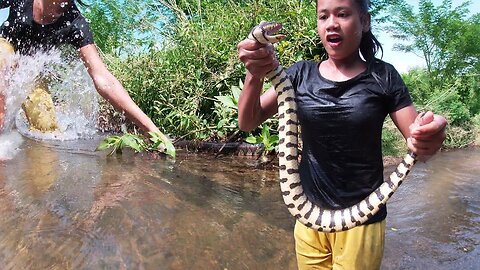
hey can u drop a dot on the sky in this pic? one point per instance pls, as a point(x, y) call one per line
point(402, 61)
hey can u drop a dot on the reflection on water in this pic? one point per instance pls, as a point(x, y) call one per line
point(65, 206)
point(436, 215)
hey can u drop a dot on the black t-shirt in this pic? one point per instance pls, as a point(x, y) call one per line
point(28, 36)
point(341, 131)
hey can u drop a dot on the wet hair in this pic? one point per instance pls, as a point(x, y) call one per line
point(81, 3)
point(369, 45)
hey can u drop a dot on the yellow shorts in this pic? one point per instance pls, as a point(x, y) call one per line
point(356, 249)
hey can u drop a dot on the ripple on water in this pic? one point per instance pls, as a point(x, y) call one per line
point(130, 211)
point(45, 244)
point(435, 217)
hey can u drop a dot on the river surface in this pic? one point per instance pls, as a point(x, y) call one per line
point(65, 206)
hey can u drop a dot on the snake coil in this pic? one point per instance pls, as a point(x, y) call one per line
point(298, 204)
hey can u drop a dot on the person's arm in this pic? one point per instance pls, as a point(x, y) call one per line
point(110, 88)
point(424, 132)
point(254, 108)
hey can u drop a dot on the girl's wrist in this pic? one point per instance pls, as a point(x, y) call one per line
point(254, 77)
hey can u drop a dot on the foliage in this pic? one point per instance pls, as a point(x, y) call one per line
point(268, 140)
point(433, 34)
point(393, 143)
point(126, 27)
point(447, 38)
point(178, 85)
point(226, 108)
point(457, 100)
point(476, 129)
point(155, 142)
point(185, 74)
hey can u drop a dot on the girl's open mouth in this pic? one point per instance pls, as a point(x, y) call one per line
point(334, 39)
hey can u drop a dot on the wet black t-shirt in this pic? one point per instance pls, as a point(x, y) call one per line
point(341, 131)
point(28, 36)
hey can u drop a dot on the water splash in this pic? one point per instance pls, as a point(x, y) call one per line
point(9, 143)
point(72, 90)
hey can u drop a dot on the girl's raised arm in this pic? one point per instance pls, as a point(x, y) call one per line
point(253, 107)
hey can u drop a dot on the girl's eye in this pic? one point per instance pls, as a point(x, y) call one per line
point(342, 14)
point(322, 17)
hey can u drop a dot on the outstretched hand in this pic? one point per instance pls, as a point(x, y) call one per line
point(427, 134)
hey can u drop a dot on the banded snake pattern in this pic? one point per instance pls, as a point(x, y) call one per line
point(309, 214)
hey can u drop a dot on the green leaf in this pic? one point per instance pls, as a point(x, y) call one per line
point(227, 101)
point(236, 94)
point(108, 142)
point(170, 149)
point(104, 145)
point(132, 142)
point(251, 140)
point(274, 139)
point(159, 139)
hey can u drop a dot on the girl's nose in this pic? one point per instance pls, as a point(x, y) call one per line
point(332, 23)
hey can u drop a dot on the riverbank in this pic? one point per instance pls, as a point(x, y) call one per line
point(111, 121)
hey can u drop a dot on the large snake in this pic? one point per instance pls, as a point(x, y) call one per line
point(311, 215)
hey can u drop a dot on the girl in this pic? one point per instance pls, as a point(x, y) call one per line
point(42, 24)
point(342, 104)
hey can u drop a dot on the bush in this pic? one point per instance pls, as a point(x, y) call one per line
point(393, 143)
point(457, 100)
point(178, 85)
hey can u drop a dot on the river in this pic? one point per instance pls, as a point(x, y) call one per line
point(66, 206)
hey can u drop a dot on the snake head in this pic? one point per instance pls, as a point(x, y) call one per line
point(266, 32)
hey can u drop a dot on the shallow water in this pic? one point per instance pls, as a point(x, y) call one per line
point(65, 206)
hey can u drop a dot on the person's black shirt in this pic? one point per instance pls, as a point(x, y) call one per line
point(27, 36)
point(341, 131)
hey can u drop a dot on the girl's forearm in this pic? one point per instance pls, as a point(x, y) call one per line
point(249, 107)
point(116, 95)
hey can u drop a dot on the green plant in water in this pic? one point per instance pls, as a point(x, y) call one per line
point(269, 141)
point(156, 142)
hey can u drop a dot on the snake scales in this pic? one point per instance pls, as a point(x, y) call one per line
point(311, 215)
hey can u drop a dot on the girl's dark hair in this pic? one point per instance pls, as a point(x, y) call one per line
point(81, 3)
point(369, 45)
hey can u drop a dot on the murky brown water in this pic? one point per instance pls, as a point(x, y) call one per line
point(64, 206)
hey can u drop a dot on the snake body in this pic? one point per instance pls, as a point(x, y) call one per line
point(308, 213)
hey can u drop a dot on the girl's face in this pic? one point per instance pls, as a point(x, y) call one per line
point(340, 27)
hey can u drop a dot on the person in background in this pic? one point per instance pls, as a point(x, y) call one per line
point(34, 25)
point(342, 104)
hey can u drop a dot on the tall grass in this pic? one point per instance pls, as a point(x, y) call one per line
point(176, 86)
point(177, 83)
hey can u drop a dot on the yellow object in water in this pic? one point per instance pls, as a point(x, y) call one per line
point(38, 106)
point(5, 49)
point(40, 110)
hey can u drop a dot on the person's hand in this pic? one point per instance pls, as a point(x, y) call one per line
point(427, 134)
point(259, 59)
